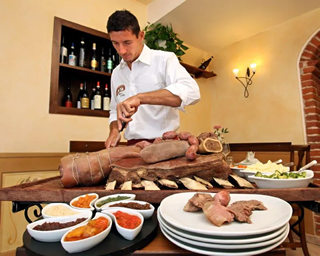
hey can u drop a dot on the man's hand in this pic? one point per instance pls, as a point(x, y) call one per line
point(126, 109)
point(113, 135)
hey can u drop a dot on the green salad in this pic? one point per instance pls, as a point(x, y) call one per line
point(282, 175)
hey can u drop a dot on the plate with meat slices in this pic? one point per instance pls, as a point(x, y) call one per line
point(226, 218)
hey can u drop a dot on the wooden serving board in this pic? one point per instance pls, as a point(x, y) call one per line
point(50, 190)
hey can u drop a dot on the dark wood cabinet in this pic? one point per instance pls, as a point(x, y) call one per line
point(63, 74)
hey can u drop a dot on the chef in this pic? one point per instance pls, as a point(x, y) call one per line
point(148, 87)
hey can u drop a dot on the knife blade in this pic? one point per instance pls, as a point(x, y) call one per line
point(122, 127)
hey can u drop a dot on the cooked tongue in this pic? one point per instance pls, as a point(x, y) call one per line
point(216, 213)
point(252, 204)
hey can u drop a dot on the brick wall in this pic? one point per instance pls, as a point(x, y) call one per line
point(310, 83)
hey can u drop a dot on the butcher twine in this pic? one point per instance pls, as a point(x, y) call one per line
point(75, 169)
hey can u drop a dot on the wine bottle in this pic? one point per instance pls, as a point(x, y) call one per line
point(63, 52)
point(85, 97)
point(80, 96)
point(68, 98)
point(93, 93)
point(72, 56)
point(106, 99)
point(97, 97)
point(82, 54)
point(109, 62)
point(205, 64)
point(94, 63)
point(103, 66)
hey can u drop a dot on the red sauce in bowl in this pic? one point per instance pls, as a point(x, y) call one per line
point(127, 220)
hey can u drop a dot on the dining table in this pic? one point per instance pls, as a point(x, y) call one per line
point(50, 190)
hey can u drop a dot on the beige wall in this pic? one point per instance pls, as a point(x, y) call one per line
point(25, 64)
point(271, 113)
point(273, 110)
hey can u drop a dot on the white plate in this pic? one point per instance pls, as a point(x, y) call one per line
point(278, 214)
point(224, 252)
point(229, 246)
point(221, 240)
point(283, 183)
point(237, 171)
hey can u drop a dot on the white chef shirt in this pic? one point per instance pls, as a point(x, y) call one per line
point(153, 70)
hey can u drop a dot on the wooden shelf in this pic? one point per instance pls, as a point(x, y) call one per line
point(64, 75)
point(197, 72)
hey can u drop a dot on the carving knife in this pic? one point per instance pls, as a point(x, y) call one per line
point(122, 127)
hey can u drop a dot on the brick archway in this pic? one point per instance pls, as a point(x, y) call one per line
point(310, 83)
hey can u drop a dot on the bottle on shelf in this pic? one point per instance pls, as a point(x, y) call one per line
point(205, 64)
point(85, 97)
point(97, 98)
point(80, 96)
point(103, 65)
point(82, 54)
point(106, 99)
point(68, 98)
point(93, 93)
point(63, 52)
point(72, 56)
point(94, 62)
point(109, 62)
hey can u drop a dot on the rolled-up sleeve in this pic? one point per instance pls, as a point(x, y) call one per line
point(180, 83)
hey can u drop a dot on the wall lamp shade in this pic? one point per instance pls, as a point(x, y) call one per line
point(247, 80)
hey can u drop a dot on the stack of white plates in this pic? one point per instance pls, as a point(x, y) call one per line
point(194, 232)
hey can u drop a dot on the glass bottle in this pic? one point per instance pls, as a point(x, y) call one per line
point(109, 62)
point(103, 65)
point(93, 93)
point(106, 99)
point(79, 96)
point(63, 52)
point(82, 54)
point(94, 63)
point(85, 97)
point(205, 64)
point(97, 97)
point(72, 56)
point(68, 98)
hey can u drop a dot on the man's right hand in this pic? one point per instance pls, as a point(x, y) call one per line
point(113, 135)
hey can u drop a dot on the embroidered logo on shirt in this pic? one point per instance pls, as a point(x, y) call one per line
point(120, 90)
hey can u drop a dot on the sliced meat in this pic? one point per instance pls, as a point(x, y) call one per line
point(199, 199)
point(251, 204)
point(190, 207)
point(241, 212)
point(216, 213)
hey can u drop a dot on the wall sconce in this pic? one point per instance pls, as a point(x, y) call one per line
point(248, 78)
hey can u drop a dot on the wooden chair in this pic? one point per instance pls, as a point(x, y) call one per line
point(302, 152)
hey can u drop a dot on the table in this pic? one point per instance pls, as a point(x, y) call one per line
point(50, 190)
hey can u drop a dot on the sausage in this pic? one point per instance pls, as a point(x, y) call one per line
point(169, 135)
point(223, 197)
point(191, 152)
point(184, 135)
point(163, 151)
point(142, 144)
point(157, 140)
point(193, 140)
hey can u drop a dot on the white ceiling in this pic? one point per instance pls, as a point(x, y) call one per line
point(212, 24)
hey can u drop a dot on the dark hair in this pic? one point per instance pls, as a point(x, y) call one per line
point(123, 20)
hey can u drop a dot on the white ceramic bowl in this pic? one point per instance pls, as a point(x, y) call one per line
point(55, 235)
point(237, 170)
point(145, 213)
point(283, 183)
point(85, 244)
point(91, 203)
point(247, 174)
point(126, 233)
point(65, 207)
point(99, 208)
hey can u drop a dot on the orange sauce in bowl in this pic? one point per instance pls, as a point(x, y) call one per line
point(127, 220)
point(92, 228)
point(84, 201)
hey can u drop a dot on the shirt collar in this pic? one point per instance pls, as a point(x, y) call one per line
point(145, 57)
